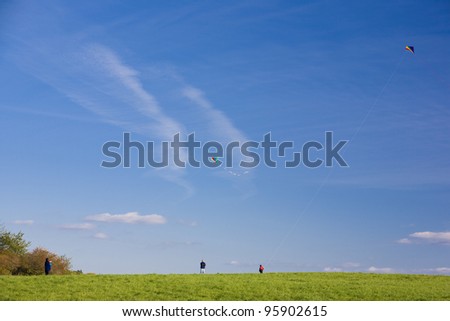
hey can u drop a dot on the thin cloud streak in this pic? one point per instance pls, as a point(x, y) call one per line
point(143, 102)
point(95, 78)
point(128, 218)
point(23, 222)
point(104, 85)
point(218, 121)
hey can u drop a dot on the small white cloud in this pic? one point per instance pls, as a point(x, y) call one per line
point(332, 269)
point(23, 222)
point(374, 269)
point(433, 237)
point(128, 218)
point(235, 263)
point(404, 241)
point(441, 270)
point(81, 226)
point(100, 236)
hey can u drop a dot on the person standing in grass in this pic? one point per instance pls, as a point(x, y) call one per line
point(202, 267)
point(47, 266)
point(261, 268)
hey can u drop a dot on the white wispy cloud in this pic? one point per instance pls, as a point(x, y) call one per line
point(441, 270)
point(356, 267)
point(101, 80)
point(23, 222)
point(130, 105)
point(404, 241)
point(374, 269)
point(95, 77)
point(345, 267)
point(131, 89)
point(128, 218)
point(219, 123)
point(427, 237)
point(220, 126)
point(79, 226)
point(434, 237)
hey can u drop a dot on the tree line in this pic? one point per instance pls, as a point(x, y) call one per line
point(16, 259)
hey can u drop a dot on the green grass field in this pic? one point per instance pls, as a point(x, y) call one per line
point(227, 287)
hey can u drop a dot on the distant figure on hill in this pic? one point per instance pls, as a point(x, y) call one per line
point(261, 268)
point(202, 267)
point(47, 266)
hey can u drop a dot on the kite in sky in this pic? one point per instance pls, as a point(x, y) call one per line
point(410, 48)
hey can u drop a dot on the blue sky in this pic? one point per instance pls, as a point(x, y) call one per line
point(78, 74)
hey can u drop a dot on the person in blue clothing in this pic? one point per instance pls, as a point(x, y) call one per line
point(47, 266)
point(202, 267)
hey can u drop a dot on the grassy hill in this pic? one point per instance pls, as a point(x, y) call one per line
point(227, 287)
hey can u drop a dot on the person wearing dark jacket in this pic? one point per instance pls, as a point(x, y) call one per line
point(202, 267)
point(47, 266)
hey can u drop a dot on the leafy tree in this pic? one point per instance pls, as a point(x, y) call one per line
point(12, 247)
point(13, 242)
